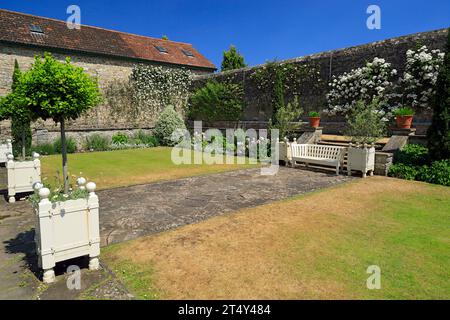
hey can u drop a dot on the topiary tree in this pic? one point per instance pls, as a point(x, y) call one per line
point(58, 91)
point(20, 126)
point(439, 132)
point(12, 108)
point(232, 59)
point(168, 122)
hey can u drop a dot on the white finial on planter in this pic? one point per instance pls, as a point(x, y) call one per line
point(10, 157)
point(36, 155)
point(91, 186)
point(37, 186)
point(44, 193)
point(81, 183)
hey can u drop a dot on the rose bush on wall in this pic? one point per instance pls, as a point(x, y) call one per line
point(373, 81)
point(420, 76)
point(377, 79)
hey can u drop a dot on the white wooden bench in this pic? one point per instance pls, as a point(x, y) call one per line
point(318, 154)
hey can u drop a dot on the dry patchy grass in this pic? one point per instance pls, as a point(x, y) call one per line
point(313, 246)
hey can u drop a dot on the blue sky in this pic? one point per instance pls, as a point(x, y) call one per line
point(262, 30)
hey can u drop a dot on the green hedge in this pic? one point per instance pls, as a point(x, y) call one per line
point(413, 163)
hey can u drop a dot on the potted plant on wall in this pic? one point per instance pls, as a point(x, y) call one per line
point(365, 126)
point(404, 117)
point(67, 219)
point(314, 119)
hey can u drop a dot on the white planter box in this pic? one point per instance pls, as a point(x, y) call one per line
point(67, 230)
point(284, 149)
point(5, 149)
point(22, 175)
point(361, 159)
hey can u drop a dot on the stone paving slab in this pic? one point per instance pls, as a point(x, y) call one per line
point(132, 212)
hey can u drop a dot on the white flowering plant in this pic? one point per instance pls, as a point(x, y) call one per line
point(420, 76)
point(373, 81)
point(156, 87)
point(378, 80)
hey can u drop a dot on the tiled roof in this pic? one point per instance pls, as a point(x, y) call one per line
point(15, 27)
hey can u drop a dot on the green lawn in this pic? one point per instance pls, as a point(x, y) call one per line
point(316, 246)
point(126, 167)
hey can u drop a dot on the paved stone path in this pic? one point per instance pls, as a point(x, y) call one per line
point(128, 213)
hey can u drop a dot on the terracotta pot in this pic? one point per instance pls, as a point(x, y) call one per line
point(404, 122)
point(314, 122)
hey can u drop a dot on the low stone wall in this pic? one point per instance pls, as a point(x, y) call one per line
point(43, 136)
point(383, 160)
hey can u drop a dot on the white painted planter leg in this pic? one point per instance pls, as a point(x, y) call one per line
point(94, 263)
point(371, 173)
point(12, 199)
point(49, 276)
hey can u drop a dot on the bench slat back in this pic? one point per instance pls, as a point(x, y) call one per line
point(317, 151)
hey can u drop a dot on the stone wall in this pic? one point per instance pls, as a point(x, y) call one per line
point(333, 63)
point(100, 119)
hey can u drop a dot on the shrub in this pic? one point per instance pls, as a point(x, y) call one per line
point(71, 145)
point(437, 173)
point(97, 142)
point(365, 123)
point(120, 138)
point(285, 117)
point(217, 101)
point(168, 122)
point(44, 149)
point(314, 114)
point(147, 139)
point(403, 171)
point(412, 155)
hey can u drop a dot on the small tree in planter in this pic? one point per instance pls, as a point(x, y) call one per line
point(59, 91)
point(24, 173)
point(365, 126)
point(67, 224)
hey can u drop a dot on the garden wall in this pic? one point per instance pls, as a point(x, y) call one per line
point(330, 63)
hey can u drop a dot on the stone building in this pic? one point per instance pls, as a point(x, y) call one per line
point(106, 54)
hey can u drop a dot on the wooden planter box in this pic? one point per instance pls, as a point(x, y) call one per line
point(5, 149)
point(67, 230)
point(22, 175)
point(361, 159)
